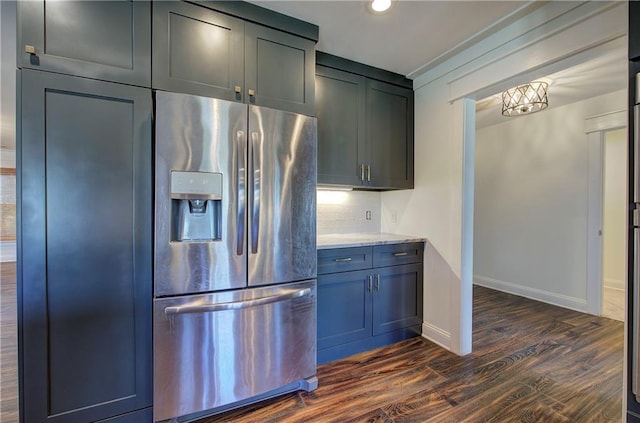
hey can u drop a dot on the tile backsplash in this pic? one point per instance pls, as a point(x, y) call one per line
point(348, 212)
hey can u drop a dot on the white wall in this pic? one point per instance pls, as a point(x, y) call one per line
point(615, 200)
point(432, 206)
point(553, 37)
point(531, 202)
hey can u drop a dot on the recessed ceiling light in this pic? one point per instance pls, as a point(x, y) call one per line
point(380, 6)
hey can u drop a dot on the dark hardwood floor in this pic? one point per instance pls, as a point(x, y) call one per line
point(531, 362)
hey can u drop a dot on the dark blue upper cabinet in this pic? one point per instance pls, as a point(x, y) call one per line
point(341, 110)
point(279, 70)
point(200, 51)
point(634, 30)
point(197, 51)
point(107, 40)
point(365, 125)
point(389, 135)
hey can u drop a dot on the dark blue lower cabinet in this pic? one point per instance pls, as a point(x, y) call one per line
point(345, 314)
point(365, 309)
point(397, 299)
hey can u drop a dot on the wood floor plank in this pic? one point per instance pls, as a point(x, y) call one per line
point(418, 407)
point(504, 402)
point(375, 416)
point(595, 397)
point(465, 386)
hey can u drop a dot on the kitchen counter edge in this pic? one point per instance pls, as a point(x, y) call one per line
point(325, 242)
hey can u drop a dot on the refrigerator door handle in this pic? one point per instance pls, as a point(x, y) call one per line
point(256, 164)
point(241, 166)
point(236, 305)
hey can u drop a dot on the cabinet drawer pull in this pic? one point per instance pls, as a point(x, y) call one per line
point(368, 173)
point(362, 172)
point(370, 278)
point(252, 92)
point(400, 254)
point(343, 260)
point(378, 282)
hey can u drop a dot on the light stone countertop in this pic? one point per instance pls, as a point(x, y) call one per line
point(362, 240)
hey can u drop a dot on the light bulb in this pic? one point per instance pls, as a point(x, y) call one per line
point(380, 5)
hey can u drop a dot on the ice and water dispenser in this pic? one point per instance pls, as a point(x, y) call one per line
point(196, 209)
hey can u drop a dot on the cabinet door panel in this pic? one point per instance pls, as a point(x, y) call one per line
point(86, 248)
point(634, 30)
point(280, 69)
point(197, 51)
point(340, 108)
point(109, 40)
point(397, 297)
point(344, 308)
point(390, 135)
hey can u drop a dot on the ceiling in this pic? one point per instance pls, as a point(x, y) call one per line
point(409, 37)
point(415, 35)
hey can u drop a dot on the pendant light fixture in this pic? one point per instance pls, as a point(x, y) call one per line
point(523, 99)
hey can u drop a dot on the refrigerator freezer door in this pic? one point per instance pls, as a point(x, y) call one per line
point(281, 197)
point(211, 350)
point(206, 138)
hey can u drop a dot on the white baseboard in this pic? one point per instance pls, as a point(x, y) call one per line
point(614, 283)
point(561, 300)
point(436, 335)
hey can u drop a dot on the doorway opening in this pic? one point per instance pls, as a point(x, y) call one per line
point(613, 223)
point(539, 187)
point(536, 231)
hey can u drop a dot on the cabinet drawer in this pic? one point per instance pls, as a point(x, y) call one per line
point(396, 254)
point(344, 259)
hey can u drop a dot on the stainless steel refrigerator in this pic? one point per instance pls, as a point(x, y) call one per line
point(235, 254)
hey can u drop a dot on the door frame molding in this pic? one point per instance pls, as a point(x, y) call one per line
point(595, 128)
